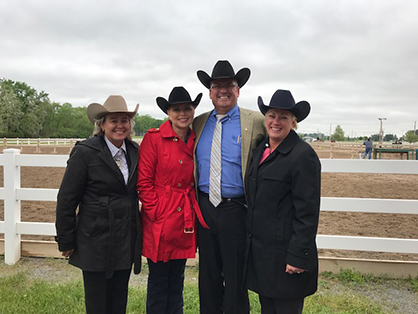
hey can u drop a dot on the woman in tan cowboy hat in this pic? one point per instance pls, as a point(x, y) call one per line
point(169, 207)
point(103, 237)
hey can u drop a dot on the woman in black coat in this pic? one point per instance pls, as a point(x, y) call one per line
point(97, 216)
point(283, 187)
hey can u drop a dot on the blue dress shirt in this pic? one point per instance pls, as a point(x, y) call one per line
point(231, 177)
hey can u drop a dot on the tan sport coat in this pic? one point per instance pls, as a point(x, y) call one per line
point(252, 132)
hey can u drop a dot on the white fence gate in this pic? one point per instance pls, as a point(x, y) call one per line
point(12, 193)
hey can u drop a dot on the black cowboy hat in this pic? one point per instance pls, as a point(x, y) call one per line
point(179, 95)
point(283, 99)
point(223, 70)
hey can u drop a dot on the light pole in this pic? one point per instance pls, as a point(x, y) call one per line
point(380, 133)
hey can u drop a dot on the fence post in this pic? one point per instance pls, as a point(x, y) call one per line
point(11, 171)
point(55, 147)
point(38, 146)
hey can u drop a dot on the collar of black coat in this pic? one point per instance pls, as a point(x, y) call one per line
point(288, 143)
point(97, 142)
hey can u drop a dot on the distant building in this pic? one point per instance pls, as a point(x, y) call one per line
point(308, 139)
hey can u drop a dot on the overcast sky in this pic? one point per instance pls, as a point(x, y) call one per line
point(353, 61)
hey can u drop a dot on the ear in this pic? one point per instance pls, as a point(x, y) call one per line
point(294, 120)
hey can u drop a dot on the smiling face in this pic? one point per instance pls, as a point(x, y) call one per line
point(116, 127)
point(224, 94)
point(278, 125)
point(181, 116)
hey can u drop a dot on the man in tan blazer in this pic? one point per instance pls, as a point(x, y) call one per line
point(221, 248)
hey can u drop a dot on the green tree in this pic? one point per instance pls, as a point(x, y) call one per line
point(375, 137)
point(410, 137)
point(390, 137)
point(144, 123)
point(29, 106)
point(69, 122)
point(338, 134)
point(83, 128)
point(10, 112)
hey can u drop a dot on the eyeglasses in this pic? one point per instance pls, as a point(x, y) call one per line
point(227, 87)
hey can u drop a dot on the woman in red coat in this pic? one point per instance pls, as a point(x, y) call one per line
point(169, 207)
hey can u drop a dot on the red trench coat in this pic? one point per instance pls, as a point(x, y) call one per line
point(166, 190)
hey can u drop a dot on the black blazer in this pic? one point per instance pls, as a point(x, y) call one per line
point(283, 211)
point(105, 232)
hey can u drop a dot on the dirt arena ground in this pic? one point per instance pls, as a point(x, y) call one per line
point(384, 186)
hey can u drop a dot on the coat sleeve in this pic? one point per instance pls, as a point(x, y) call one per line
point(69, 197)
point(306, 189)
point(147, 164)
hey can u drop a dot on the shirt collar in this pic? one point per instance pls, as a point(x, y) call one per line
point(231, 113)
point(113, 149)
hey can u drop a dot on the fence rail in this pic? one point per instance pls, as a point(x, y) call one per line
point(39, 145)
point(330, 150)
point(12, 194)
point(355, 150)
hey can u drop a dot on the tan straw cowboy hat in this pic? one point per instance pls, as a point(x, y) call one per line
point(113, 104)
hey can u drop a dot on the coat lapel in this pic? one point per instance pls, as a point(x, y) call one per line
point(198, 125)
point(246, 119)
point(132, 155)
point(108, 159)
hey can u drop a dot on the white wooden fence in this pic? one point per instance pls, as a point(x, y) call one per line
point(12, 194)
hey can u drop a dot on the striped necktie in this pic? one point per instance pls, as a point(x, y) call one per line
point(120, 159)
point(215, 196)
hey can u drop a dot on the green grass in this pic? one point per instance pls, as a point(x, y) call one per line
point(341, 303)
point(20, 295)
point(341, 293)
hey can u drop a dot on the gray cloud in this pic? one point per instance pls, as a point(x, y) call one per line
point(354, 61)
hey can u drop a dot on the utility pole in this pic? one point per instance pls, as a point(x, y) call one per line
point(330, 126)
point(380, 133)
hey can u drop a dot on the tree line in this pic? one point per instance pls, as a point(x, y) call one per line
point(410, 136)
point(27, 113)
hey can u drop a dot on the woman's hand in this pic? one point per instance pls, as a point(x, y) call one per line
point(294, 270)
point(67, 253)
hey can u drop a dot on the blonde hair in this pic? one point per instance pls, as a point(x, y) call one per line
point(99, 131)
point(294, 122)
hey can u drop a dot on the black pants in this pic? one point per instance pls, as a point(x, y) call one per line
point(280, 306)
point(106, 296)
point(165, 287)
point(221, 258)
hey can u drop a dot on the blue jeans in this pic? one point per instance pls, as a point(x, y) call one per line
point(165, 287)
point(368, 152)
